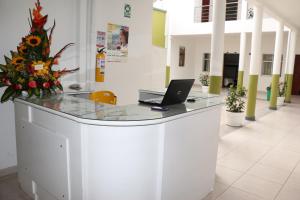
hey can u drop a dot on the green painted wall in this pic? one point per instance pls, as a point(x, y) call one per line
point(168, 75)
point(274, 91)
point(252, 93)
point(215, 84)
point(158, 28)
point(288, 92)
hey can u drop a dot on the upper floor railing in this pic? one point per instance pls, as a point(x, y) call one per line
point(203, 12)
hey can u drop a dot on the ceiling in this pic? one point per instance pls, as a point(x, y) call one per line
point(287, 10)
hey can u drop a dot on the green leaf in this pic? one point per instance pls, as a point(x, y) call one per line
point(7, 60)
point(3, 68)
point(30, 93)
point(7, 94)
point(59, 86)
point(37, 92)
point(2, 85)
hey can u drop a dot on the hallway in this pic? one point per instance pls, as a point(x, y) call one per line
point(261, 160)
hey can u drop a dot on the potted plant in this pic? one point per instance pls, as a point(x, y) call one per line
point(281, 93)
point(204, 80)
point(235, 105)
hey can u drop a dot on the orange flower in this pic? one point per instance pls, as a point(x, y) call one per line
point(33, 40)
point(17, 60)
point(22, 49)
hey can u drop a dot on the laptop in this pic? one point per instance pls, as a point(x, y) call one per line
point(177, 92)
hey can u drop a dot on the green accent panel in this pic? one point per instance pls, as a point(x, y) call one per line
point(168, 75)
point(289, 84)
point(252, 92)
point(240, 80)
point(158, 28)
point(215, 83)
point(274, 91)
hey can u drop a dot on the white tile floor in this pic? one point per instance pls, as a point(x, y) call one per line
point(260, 161)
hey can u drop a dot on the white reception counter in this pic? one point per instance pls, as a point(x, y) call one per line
point(72, 148)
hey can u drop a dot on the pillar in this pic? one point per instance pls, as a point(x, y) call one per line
point(276, 65)
point(243, 42)
point(289, 73)
point(254, 62)
point(217, 46)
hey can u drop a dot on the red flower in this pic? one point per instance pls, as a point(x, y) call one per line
point(32, 84)
point(18, 87)
point(56, 82)
point(46, 85)
point(7, 82)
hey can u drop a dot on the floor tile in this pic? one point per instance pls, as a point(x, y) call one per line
point(289, 193)
point(270, 174)
point(236, 194)
point(227, 176)
point(281, 159)
point(260, 187)
point(219, 189)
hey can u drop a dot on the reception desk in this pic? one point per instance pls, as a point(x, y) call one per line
point(72, 148)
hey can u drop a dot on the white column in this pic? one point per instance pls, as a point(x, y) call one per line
point(256, 41)
point(255, 62)
point(291, 54)
point(217, 46)
point(243, 37)
point(290, 63)
point(217, 39)
point(278, 48)
point(276, 65)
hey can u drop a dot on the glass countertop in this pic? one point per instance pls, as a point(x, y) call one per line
point(86, 109)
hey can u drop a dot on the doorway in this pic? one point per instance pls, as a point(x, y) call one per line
point(231, 69)
point(296, 78)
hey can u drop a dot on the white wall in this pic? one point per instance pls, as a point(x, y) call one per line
point(124, 79)
point(14, 26)
point(187, 71)
point(201, 44)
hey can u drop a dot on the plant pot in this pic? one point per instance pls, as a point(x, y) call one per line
point(280, 101)
point(235, 119)
point(205, 89)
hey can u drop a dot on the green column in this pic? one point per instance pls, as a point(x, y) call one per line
point(252, 92)
point(215, 84)
point(240, 80)
point(168, 73)
point(274, 91)
point(289, 85)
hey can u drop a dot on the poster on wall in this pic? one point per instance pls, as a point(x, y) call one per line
point(100, 57)
point(117, 43)
point(100, 43)
point(181, 56)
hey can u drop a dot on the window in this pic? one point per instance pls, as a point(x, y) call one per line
point(231, 9)
point(267, 64)
point(205, 11)
point(206, 62)
point(267, 67)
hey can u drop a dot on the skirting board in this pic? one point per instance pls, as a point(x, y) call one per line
point(8, 171)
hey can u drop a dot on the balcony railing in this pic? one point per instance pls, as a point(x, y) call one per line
point(204, 13)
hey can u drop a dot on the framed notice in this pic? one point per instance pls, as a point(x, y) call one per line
point(117, 43)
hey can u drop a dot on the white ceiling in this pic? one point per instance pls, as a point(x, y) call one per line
point(287, 10)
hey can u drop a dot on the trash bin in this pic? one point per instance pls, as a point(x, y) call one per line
point(268, 93)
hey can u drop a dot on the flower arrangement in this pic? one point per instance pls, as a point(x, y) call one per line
point(234, 101)
point(204, 79)
point(30, 67)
